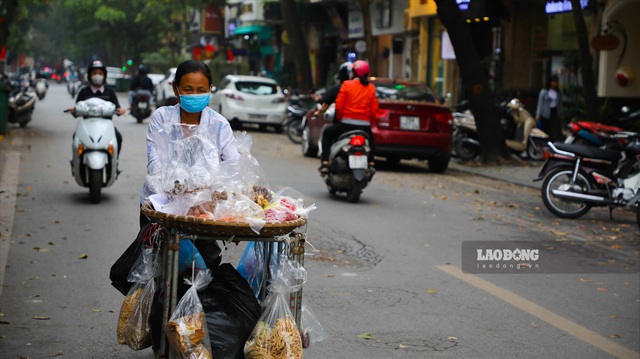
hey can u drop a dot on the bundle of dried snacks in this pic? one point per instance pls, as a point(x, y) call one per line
point(187, 329)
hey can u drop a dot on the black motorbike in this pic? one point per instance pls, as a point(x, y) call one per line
point(141, 106)
point(578, 177)
point(349, 170)
point(22, 101)
point(293, 122)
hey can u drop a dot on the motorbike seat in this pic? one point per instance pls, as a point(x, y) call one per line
point(348, 134)
point(589, 151)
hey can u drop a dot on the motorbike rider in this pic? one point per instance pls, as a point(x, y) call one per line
point(97, 74)
point(356, 107)
point(72, 77)
point(140, 82)
point(344, 73)
point(524, 125)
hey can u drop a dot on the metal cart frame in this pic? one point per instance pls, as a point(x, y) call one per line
point(170, 258)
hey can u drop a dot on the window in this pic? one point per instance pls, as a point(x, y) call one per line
point(383, 14)
point(257, 88)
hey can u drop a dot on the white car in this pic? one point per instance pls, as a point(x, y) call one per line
point(250, 99)
point(165, 89)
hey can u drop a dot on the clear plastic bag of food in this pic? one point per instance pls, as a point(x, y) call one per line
point(276, 335)
point(141, 275)
point(188, 158)
point(187, 328)
point(287, 205)
point(240, 208)
point(250, 175)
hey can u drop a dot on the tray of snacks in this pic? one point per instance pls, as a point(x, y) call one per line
point(193, 224)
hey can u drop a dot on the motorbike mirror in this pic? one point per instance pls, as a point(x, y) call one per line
point(214, 89)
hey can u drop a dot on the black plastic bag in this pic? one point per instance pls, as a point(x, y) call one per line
point(231, 310)
point(121, 268)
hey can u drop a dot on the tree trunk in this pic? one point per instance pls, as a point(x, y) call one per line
point(372, 48)
point(298, 45)
point(586, 62)
point(474, 82)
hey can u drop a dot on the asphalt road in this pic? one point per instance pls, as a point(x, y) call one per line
point(384, 275)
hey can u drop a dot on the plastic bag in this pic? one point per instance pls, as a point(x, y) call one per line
point(251, 264)
point(189, 258)
point(147, 236)
point(276, 335)
point(138, 302)
point(186, 330)
point(286, 205)
point(231, 311)
point(312, 330)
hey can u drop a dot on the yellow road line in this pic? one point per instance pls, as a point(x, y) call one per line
point(558, 321)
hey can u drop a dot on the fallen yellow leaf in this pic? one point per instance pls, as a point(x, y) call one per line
point(614, 336)
point(83, 256)
point(365, 336)
point(40, 317)
point(453, 339)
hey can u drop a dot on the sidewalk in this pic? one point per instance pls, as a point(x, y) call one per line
point(521, 175)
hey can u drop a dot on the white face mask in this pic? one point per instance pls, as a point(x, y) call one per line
point(97, 79)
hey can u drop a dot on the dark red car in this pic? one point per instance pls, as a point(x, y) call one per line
point(411, 123)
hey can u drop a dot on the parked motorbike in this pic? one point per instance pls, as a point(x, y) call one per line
point(94, 162)
point(22, 102)
point(349, 170)
point(516, 122)
point(578, 177)
point(41, 88)
point(599, 134)
point(141, 106)
point(293, 122)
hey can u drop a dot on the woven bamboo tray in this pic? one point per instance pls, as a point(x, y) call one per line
point(193, 225)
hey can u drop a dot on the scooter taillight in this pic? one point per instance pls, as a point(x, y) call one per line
point(546, 154)
point(357, 141)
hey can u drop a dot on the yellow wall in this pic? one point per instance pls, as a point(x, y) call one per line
point(417, 9)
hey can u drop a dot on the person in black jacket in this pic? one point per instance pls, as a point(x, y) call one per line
point(344, 74)
point(140, 82)
point(97, 75)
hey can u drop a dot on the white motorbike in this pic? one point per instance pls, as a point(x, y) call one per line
point(94, 162)
point(41, 88)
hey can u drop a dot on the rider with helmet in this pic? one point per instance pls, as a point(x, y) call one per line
point(356, 108)
point(97, 75)
point(140, 82)
point(344, 73)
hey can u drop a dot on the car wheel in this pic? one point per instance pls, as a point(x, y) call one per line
point(438, 165)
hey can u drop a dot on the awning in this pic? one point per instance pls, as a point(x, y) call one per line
point(263, 31)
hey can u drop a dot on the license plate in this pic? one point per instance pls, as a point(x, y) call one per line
point(142, 105)
point(254, 116)
point(357, 162)
point(411, 123)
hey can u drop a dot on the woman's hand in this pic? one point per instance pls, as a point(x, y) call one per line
point(121, 111)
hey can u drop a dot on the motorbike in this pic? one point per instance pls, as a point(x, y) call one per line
point(292, 124)
point(599, 134)
point(73, 87)
point(22, 102)
point(41, 88)
point(141, 106)
point(349, 170)
point(94, 162)
point(578, 177)
point(515, 121)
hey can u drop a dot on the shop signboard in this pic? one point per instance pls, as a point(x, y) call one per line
point(560, 6)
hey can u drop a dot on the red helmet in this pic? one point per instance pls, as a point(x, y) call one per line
point(361, 68)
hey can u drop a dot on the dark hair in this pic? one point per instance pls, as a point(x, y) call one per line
point(364, 80)
point(190, 66)
point(553, 78)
